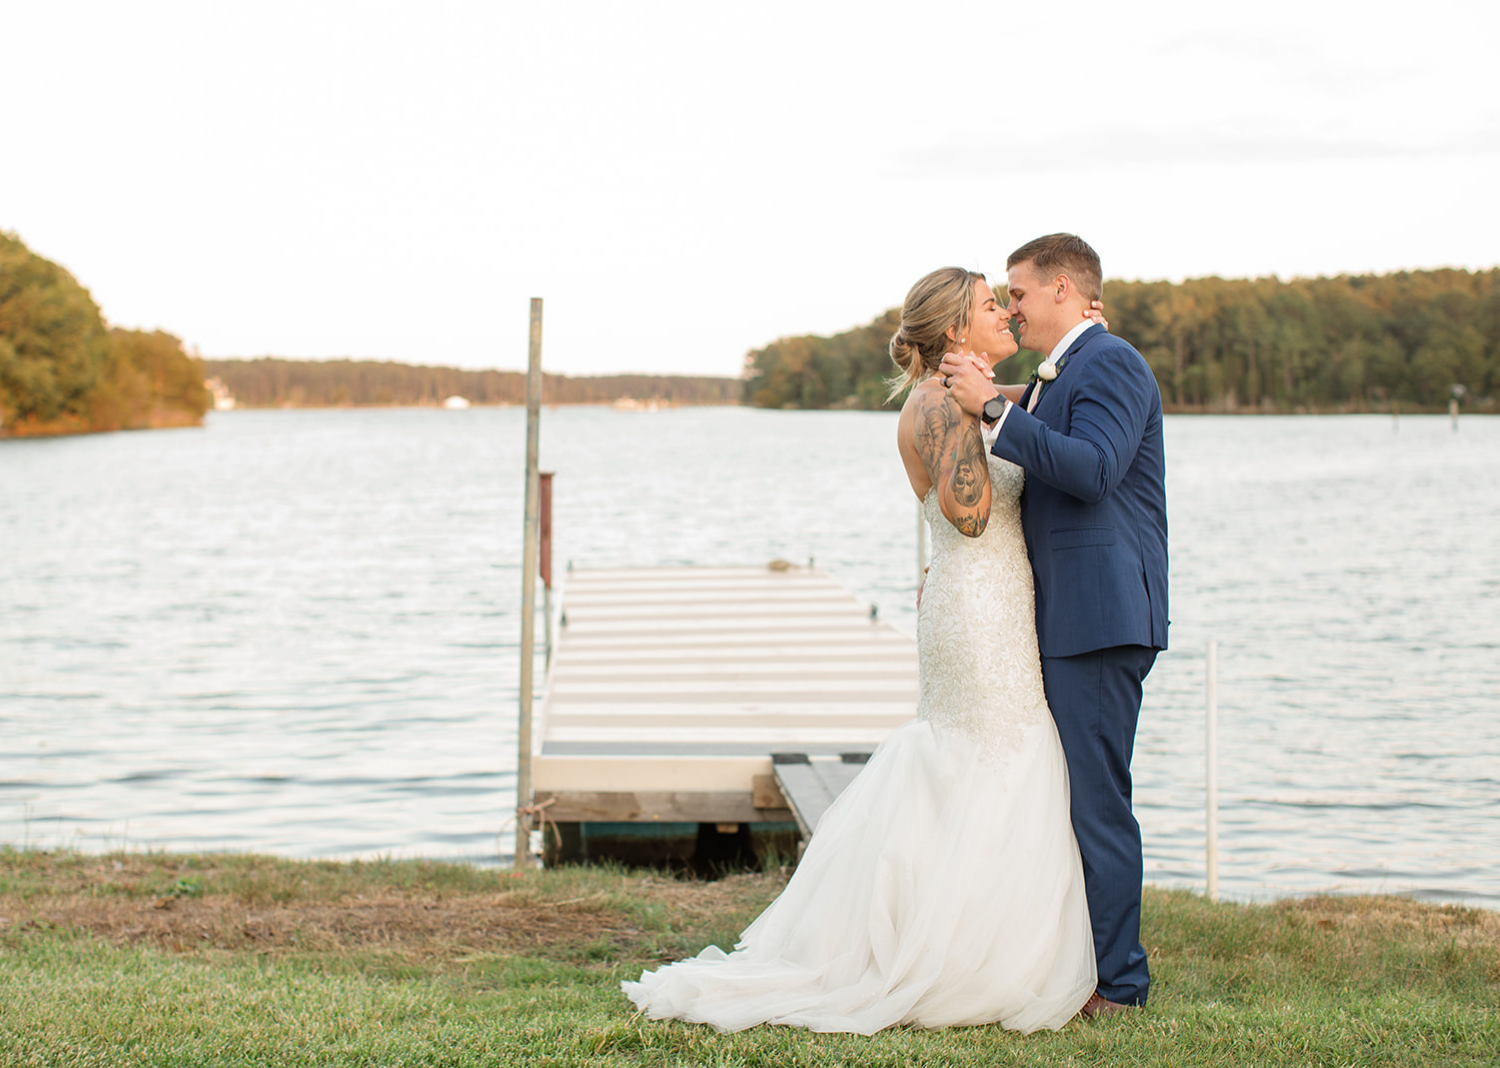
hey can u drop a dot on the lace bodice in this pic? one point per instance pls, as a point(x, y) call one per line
point(979, 668)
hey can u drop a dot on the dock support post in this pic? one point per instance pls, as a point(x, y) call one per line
point(1211, 768)
point(529, 551)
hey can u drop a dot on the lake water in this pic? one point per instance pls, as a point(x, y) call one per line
point(297, 632)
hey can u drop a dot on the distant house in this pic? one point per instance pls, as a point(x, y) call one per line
point(223, 399)
point(456, 403)
point(628, 403)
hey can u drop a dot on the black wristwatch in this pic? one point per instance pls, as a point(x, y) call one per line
point(994, 408)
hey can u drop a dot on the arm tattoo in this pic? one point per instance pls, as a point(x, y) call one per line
point(970, 526)
point(953, 454)
point(971, 468)
point(937, 422)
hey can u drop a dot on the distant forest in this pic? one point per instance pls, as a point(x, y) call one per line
point(64, 371)
point(1411, 340)
point(274, 383)
point(1407, 341)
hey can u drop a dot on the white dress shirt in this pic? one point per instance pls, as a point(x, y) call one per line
point(990, 433)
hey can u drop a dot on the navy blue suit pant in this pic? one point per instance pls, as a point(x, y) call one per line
point(1096, 700)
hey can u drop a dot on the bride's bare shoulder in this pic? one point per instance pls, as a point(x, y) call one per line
point(924, 396)
point(930, 412)
point(927, 399)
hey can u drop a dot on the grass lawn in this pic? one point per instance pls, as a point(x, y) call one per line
point(151, 959)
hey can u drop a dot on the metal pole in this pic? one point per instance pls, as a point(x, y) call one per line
point(1453, 413)
point(529, 551)
point(544, 526)
point(546, 630)
point(1211, 767)
point(921, 545)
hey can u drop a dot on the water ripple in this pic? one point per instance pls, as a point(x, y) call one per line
point(297, 632)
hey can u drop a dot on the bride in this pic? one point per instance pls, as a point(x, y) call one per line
point(944, 886)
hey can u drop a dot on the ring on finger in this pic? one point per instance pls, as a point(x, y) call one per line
point(947, 381)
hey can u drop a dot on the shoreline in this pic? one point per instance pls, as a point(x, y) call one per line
point(888, 411)
point(75, 427)
point(501, 865)
point(1257, 412)
point(70, 428)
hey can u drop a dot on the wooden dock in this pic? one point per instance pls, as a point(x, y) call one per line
point(671, 688)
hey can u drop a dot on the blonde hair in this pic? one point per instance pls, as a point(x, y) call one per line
point(942, 299)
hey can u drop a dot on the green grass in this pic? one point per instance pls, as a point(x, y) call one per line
point(221, 960)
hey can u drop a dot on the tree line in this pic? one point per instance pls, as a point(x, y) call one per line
point(62, 370)
point(1410, 340)
point(275, 383)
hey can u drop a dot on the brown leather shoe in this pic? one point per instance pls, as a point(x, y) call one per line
point(1097, 1006)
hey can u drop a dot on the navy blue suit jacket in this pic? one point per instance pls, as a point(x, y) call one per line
point(1095, 504)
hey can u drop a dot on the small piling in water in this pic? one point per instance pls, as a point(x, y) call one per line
point(544, 550)
point(1211, 769)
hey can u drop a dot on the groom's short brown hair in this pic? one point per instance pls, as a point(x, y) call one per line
point(1066, 254)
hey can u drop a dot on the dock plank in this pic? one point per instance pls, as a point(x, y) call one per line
point(670, 688)
point(811, 785)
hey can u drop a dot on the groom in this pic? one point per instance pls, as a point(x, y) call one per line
point(1088, 432)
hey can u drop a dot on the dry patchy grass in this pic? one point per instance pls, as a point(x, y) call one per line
point(1366, 916)
point(154, 959)
point(412, 909)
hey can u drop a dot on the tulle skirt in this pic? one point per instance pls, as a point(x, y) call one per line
point(942, 888)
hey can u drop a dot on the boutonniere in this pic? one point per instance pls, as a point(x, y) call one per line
point(1046, 372)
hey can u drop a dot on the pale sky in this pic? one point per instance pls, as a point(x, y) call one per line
point(683, 182)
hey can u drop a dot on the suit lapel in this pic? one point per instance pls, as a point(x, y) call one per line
point(1062, 365)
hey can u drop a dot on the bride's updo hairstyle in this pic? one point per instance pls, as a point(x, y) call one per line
point(942, 299)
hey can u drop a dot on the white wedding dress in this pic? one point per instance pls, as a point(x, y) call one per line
point(944, 886)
